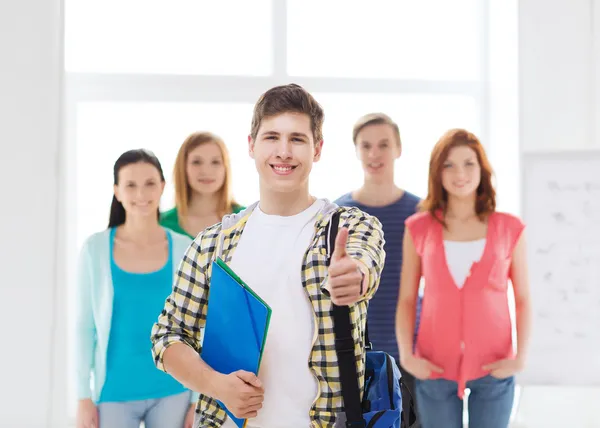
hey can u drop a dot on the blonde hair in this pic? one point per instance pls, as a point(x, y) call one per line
point(183, 191)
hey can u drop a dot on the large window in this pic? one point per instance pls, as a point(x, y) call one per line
point(169, 37)
point(106, 129)
point(421, 40)
point(422, 119)
point(148, 73)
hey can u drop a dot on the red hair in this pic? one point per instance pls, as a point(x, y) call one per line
point(437, 197)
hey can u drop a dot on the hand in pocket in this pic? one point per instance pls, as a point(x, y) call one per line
point(420, 367)
point(503, 369)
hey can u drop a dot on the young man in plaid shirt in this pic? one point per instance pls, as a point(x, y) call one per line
point(279, 247)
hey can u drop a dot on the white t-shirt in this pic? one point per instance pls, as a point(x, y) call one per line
point(460, 256)
point(269, 259)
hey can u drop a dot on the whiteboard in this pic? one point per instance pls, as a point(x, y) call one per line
point(561, 209)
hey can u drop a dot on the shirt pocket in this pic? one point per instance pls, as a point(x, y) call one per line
point(498, 277)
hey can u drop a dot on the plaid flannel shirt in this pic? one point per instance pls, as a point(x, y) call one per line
point(184, 315)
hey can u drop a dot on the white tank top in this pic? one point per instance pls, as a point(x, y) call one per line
point(460, 256)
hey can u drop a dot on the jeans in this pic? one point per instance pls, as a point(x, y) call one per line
point(166, 412)
point(490, 403)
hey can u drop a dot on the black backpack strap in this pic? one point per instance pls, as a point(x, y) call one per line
point(410, 417)
point(344, 347)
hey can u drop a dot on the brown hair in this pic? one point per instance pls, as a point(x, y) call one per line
point(437, 197)
point(375, 119)
point(183, 191)
point(291, 98)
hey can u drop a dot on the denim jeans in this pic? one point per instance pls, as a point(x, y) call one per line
point(166, 412)
point(490, 403)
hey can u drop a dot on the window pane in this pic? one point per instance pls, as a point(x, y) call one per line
point(422, 120)
point(424, 39)
point(169, 37)
point(105, 130)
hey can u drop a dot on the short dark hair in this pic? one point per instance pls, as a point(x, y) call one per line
point(291, 98)
point(375, 119)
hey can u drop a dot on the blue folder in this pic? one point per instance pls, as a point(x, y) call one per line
point(237, 322)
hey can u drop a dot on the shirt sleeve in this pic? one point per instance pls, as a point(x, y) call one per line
point(516, 227)
point(366, 245)
point(183, 317)
point(417, 225)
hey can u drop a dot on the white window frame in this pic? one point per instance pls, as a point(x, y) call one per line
point(95, 87)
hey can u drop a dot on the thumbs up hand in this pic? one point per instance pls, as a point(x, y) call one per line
point(345, 277)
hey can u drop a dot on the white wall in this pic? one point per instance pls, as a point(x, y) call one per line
point(502, 69)
point(556, 73)
point(558, 105)
point(30, 95)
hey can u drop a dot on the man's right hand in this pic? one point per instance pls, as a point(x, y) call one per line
point(242, 393)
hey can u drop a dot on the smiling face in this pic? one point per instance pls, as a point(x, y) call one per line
point(284, 151)
point(461, 172)
point(139, 189)
point(377, 148)
point(205, 169)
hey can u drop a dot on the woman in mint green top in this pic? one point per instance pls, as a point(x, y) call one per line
point(125, 274)
point(202, 176)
